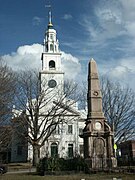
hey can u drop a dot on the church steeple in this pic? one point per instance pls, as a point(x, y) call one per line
point(51, 60)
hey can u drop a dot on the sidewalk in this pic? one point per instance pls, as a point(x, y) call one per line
point(13, 168)
point(17, 171)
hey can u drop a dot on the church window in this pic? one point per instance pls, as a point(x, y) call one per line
point(52, 64)
point(70, 129)
point(70, 150)
point(51, 47)
point(54, 150)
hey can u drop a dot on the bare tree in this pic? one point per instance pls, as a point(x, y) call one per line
point(7, 90)
point(118, 107)
point(42, 108)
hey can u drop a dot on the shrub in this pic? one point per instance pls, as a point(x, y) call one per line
point(59, 164)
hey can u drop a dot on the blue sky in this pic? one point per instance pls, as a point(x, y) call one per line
point(102, 29)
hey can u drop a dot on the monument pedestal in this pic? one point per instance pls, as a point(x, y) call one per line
point(101, 163)
point(112, 163)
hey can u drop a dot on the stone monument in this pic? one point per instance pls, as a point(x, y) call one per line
point(97, 134)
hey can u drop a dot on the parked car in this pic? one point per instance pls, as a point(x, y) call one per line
point(3, 168)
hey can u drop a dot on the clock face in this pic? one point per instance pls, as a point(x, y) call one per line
point(98, 126)
point(52, 83)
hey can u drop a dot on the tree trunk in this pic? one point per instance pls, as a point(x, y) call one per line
point(36, 155)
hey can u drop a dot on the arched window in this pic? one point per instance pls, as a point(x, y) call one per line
point(51, 47)
point(54, 150)
point(51, 64)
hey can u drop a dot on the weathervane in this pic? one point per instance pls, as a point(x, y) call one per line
point(48, 5)
point(50, 14)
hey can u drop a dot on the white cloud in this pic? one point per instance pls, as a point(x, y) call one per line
point(128, 9)
point(36, 21)
point(70, 65)
point(128, 14)
point(109, 15)
point(123, 68)
point(119, 72)
point(112, 19)
point(29, 57)
point(129, 63)
point(26, 57)
point(130, 28)
point(67, 16)
point(123, 71)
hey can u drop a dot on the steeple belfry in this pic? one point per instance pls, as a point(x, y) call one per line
point(51, 43)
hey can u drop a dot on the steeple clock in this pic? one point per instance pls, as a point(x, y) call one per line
point(51, 72)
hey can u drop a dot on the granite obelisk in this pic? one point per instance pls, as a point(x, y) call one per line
point(97, 134)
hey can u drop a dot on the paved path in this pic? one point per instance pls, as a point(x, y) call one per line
point(21, 171)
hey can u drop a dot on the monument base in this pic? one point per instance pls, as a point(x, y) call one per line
point(96, 163)
point(112, 163)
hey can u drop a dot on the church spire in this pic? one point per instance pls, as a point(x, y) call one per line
point(50, 25)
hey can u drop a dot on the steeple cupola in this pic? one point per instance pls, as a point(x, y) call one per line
point(51, 44)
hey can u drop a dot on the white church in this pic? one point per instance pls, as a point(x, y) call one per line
point(64, 142)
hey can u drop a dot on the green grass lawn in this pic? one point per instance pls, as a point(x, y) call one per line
point(68, 177)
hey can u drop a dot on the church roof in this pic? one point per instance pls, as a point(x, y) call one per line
point(69, 108)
